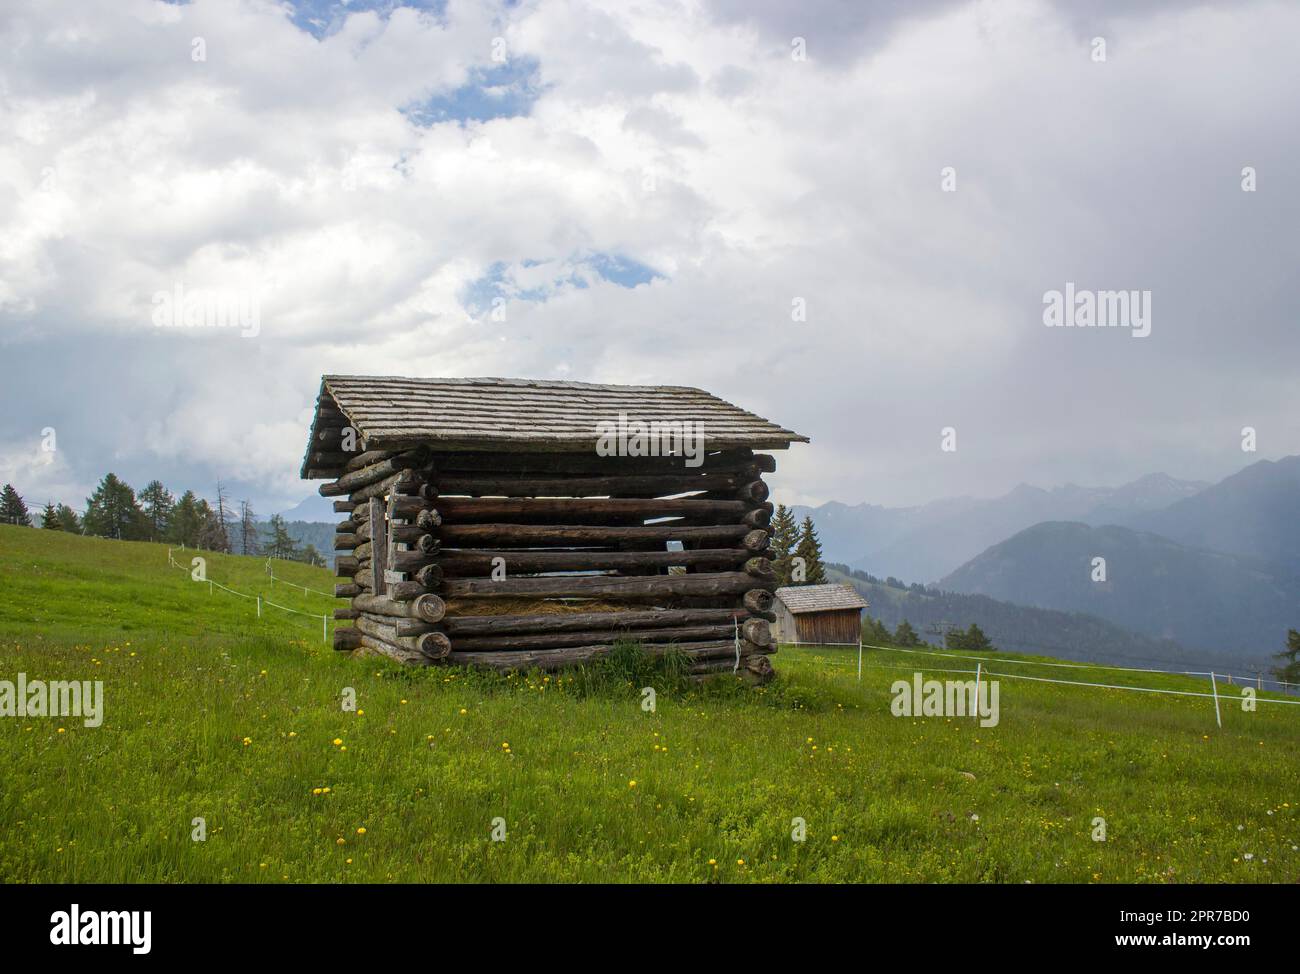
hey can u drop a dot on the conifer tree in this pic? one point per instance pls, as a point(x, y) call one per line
point(67, 518)
point(212, 532)
point(112, 511)
point(186, 522)
point(809, 549)
point(12, 508)
point(972, 640)
point(785, 535)
point(875, 633)
point(157, 503)
point(905, 635)
point(280, 545)
point(1289, 672)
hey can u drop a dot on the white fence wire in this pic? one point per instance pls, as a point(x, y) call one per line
point(284, 581)
point(982, 671)
point(260, 599)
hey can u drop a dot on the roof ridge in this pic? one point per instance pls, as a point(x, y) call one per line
point(548, 415)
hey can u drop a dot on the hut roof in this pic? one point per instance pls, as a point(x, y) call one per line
point(820, 598)
point(526, 414)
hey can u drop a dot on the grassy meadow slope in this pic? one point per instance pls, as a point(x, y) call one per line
point(211, 713)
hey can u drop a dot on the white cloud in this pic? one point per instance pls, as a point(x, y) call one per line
point(682, 136)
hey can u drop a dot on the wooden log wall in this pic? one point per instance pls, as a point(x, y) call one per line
point(664, 554)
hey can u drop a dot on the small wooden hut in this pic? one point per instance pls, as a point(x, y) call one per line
point(520, 524)
point(822, 614)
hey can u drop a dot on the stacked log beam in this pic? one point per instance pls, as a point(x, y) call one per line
point(423, 527)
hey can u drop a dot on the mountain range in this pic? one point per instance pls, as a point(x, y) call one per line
point(313, 508)
point(1212, 568)
point(1019, 628)
point(1234, 604)
point(1255, 512)
point(922, 544)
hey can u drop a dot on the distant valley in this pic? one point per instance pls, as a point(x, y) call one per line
point(1210, 571)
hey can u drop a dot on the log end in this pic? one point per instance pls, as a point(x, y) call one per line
point(757, 670)
point(759, 602)
point(430, 608)
point(435, 645)
point(758, 632)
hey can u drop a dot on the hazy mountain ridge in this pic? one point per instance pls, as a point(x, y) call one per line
point(313, 508)
point(1255, 512)
point(1232, 605)
point(924, 543)
point(1023, 629)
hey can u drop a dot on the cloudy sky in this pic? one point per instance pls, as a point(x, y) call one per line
point(647, 192)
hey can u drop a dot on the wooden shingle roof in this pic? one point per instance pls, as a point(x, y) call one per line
point(527, 414)
point(820, 598)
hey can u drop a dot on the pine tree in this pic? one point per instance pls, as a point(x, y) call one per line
point(112, 511)
point(809, 549)
point(874, 632)
point(157, 503)
point(311, 556)
point(12, 508)
point(50, 518)
point(784, 537)
point(185, 523)
point(1289, 672)
point(212, 532)
point(280, 545)
point(972, 640)
point(905, 635)
point(68, 520)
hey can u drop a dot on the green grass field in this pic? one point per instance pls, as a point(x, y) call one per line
point(213, 713)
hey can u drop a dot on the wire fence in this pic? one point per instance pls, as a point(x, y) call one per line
point(259, 599)
point(1228, 678)
point(284, 581)
point(982, 671)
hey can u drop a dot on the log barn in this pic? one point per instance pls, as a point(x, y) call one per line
point(823, 614)
point(516, 524)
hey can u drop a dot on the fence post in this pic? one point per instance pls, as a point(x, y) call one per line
point(259, 607)
point(1215, 687)
point(978, 669)
point(324, 629)
point(859, 658)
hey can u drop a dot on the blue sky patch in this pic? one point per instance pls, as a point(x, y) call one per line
point(321, 18)
point(501, 91)
point(576, 273)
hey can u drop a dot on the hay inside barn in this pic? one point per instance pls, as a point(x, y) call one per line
point(515, 524)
